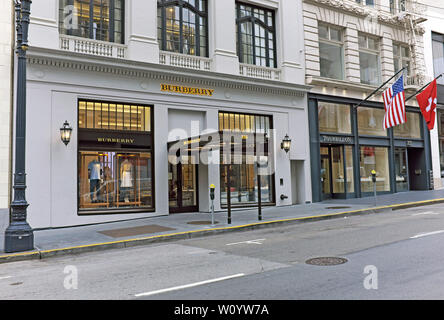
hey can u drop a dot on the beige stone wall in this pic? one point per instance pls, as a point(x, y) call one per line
point(5, 97)
point(354, 19)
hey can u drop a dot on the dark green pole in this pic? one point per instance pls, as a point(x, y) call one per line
point(19, 235)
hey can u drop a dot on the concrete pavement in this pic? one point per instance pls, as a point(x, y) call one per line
point(52, 242)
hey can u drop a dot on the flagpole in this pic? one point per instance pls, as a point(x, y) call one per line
point(420, 90)
point(368, 97)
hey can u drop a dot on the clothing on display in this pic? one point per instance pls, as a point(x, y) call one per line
point(126, 174)
point(126, 180)
point(94, 188)
point(95, 172)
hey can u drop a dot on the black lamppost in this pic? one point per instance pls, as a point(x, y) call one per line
point(19, 235)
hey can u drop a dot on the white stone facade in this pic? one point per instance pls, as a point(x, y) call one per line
point(63, 69)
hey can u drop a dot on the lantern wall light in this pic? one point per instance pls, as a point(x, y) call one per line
point(65, 133)
point(286, 143)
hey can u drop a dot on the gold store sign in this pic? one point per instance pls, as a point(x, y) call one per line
point(116, 140)
point(186, 90)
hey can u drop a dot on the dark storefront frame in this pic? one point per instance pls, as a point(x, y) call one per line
point(318, 138)
point(84, 143)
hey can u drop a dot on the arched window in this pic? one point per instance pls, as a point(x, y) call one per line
point(94, 19)
point(183, 26)
point(256, 38)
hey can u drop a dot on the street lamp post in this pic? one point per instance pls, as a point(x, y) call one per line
point(19, 235)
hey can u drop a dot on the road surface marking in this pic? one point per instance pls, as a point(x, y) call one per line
point(145, 294)
point(426, 234)
point(257, 241)
point(424, 213)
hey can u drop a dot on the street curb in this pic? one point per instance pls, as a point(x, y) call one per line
point(120, 244)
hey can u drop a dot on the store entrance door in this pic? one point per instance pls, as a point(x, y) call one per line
point(417, 172)
point(401, 170)
point(182, 186)
point(336, 171)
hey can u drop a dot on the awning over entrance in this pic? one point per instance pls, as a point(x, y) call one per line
point(245, 142)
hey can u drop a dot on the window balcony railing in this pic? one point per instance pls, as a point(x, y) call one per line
point(416, 81)
point(408, 6)
point(93, 47)
point(253, 71)
point(184, 61)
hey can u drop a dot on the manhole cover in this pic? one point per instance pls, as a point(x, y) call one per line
point(326, 261)
point(338, 207)
point(201, 222)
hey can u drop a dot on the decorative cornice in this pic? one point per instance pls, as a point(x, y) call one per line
point(144, 71)
point(398, 20)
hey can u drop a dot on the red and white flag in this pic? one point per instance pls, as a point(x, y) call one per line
point(427, 101)
point(394, 103)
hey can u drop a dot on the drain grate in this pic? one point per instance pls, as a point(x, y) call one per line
point(201, 222)
point(326, 261)
point(338, 207)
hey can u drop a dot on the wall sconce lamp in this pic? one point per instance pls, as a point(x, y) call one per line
point(65, 133)
point(286, 143)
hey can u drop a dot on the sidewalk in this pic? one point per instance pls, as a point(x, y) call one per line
point(123, 234)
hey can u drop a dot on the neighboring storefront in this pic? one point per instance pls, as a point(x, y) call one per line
point(347, 143)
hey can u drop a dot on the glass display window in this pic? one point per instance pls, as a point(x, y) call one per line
point(334, 118)
point(370, 121)
point(115, 171)
point(374, 158)
point(411, 128)
point(243, 181)
point(115, 180)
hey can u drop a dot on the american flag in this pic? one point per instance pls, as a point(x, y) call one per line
point(394, 102)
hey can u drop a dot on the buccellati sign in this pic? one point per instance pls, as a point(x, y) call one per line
point(336, 139)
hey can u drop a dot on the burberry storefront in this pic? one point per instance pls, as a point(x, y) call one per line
point(348, 142)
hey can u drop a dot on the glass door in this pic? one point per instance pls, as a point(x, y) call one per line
point(182, 186)
point(401, 170)
point(325, 173)
point(337, 178)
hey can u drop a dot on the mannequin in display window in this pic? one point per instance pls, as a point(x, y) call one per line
point(126, 179)
point(94, 176)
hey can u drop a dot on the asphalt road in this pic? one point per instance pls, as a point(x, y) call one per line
point(392, 255)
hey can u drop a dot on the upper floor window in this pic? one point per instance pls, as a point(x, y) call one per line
point(256, 35)
point(93, 19)
point(331, 52)
point(367, 2)
point(182, 26)
point(397, 6)
point(369, 59)
point(401, 58)
point(438, 55)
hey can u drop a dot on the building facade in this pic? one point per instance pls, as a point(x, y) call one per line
point(6, 97)
point(434, 57)
point(351, 48)
point(164, 99)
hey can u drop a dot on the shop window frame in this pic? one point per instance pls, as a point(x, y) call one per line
point(149, 135)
